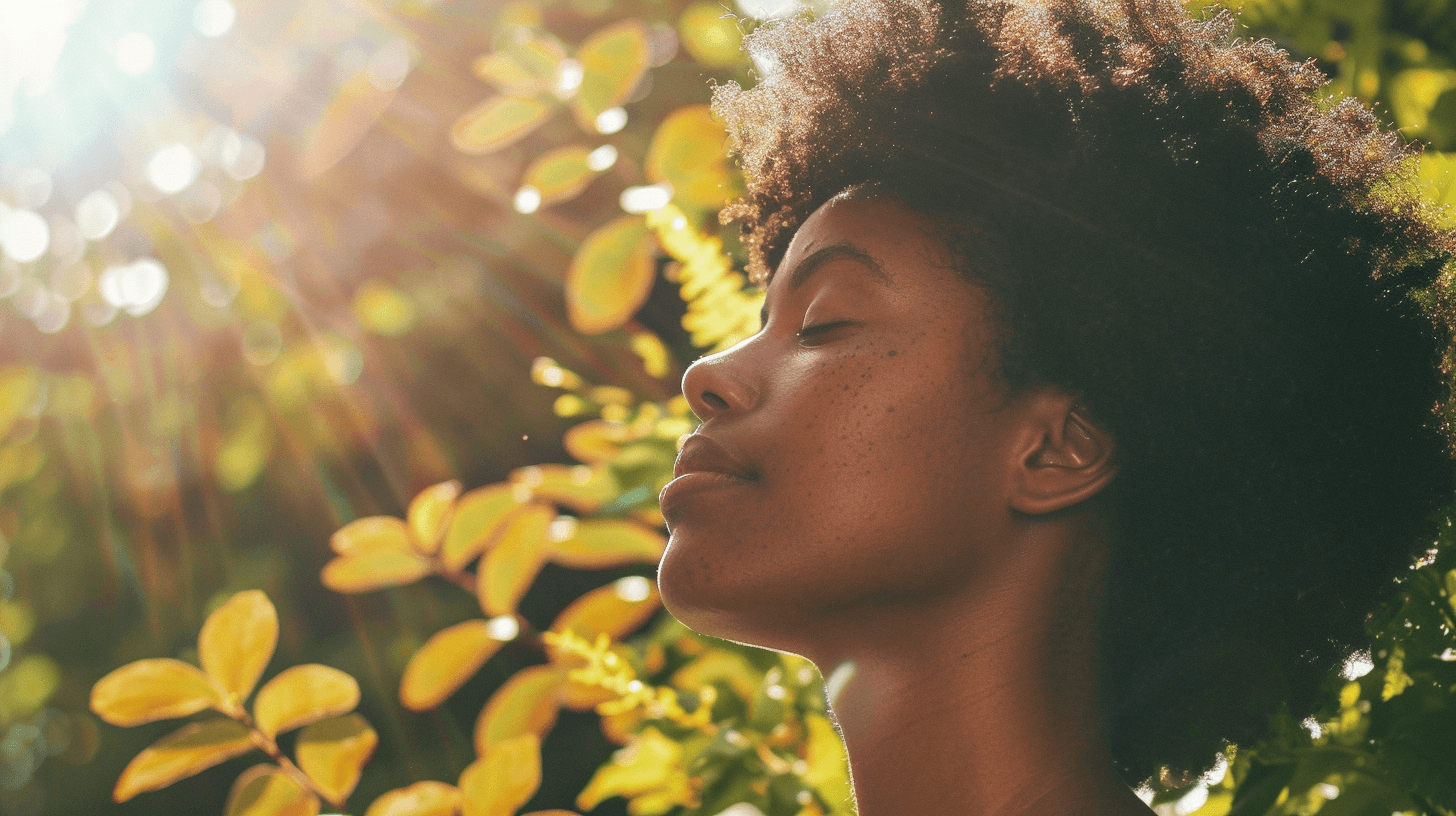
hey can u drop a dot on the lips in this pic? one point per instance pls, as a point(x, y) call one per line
point(701, 454)
point(703, 466)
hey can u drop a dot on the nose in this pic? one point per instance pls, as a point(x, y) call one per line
point(719, 384)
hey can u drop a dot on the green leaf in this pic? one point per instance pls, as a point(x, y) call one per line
point(689, 151)
point(497, 123)
point(605, 543)
point(613, 61)
point(1261, 788)
point(522, 69)
point(560, 174)
point(611, 276)
point(711, 34)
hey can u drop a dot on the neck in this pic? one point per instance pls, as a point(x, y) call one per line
point(982, 704)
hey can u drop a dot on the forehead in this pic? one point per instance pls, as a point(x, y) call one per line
point(877, 225)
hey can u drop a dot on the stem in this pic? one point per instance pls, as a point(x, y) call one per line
point(269, 746)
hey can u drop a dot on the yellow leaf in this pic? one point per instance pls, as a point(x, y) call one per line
point(449, 658)
point(429, 513)
point(580, 488)
point(504, 779)
point(355, 109)
point(650, 762)
point(611, 275)
point(560, 174)
point(265, 790)
point(524, 704)
point(376, 570)
point(586, 696)
point(237, 641)
point(522, 69)
point(603, 543)
point(654, 355)
point(718, 666)
point(371, 534)
point(498, 123)
point(193, 748)
point(595, 440)
point(384, 310)
point(613, 61)
point(333, 753)
point(508, 569)
point(419, 799)
point(148, 690)
point(828, 764)
point(301, 695)
point(26, 685)
point(711, 35)
point(689, 151)
point(621, 728)
point(19, 387)
point(479, 517)
point(553, 812)
point(615, 610)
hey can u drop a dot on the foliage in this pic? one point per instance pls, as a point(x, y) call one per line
point(236, 643)
point(568, 110)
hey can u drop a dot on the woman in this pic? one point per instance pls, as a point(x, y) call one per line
point(1093, 407)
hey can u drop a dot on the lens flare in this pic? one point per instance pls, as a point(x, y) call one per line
point(173, 168)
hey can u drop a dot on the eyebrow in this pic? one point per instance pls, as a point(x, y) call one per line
point(823, 255)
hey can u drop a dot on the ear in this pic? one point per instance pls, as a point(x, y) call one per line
point(1065, 459)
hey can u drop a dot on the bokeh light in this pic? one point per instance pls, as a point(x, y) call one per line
point(602, 158)
point(173, 168)
point(213, 18)
point(135, 288)
point(134, 53)
point(97, 214)
point(24, 235)
point(611, 120)
point(646, 198)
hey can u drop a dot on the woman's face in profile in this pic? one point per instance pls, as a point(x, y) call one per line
point(853, 454)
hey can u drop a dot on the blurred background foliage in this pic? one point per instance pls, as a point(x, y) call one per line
point(273, 267)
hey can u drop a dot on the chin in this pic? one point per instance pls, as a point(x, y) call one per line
point(743, 610)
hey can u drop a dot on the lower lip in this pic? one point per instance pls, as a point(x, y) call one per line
point(692, 483)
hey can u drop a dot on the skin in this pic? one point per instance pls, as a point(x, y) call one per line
point(865, 491)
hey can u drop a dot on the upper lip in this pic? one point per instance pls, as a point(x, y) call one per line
point(701, 454)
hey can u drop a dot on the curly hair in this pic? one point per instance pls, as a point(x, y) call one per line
point(1226, 268)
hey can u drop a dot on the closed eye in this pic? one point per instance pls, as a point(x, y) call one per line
point(809, 335)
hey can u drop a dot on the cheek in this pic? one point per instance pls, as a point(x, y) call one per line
point(865, 494)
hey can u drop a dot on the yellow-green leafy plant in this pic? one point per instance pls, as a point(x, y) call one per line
point(235, 646)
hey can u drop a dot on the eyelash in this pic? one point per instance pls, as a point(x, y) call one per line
point(810, 332)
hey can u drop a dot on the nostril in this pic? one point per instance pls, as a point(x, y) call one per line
point(714, 401)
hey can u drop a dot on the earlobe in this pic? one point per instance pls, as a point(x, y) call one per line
point(1070, 461)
